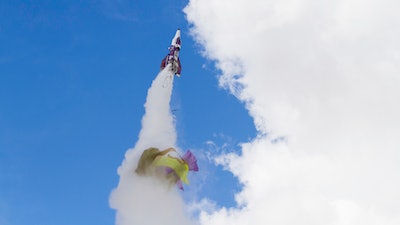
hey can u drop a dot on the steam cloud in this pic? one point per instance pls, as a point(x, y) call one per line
point(143, 200)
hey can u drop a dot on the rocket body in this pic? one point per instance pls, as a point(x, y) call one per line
point(173, 56)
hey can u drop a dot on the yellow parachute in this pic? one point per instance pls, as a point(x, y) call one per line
point(159, 163)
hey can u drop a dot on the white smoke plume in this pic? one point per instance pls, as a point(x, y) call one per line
point(144, 200)
point(322, 81)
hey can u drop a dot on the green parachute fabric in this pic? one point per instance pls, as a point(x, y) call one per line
point(146, 160)
point(156, 163)
point(180, 167)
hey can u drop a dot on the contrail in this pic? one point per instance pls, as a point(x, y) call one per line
point(144, 200)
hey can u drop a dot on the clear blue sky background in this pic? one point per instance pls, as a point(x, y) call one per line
point(73, 80)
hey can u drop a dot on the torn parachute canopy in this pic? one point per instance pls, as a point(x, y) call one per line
point(154, 162)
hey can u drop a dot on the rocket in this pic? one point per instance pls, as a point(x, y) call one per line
point(172, 58)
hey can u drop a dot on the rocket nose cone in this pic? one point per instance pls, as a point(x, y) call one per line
point(176, 41)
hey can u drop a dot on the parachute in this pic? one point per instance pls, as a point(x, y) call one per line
point(154, 162)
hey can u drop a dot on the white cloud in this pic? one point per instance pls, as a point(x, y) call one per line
point(326, 76)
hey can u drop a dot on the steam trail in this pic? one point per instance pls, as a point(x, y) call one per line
point(142, 200)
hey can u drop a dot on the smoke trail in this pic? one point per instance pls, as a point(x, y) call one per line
point(143, 200)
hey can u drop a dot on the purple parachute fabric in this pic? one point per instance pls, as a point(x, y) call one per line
point(179, 184)
point(191, 160)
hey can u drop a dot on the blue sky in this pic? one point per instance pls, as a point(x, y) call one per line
point(321, 80)
point(73, 80)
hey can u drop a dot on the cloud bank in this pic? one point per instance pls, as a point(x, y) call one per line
point(144, 200)
point(321, 80)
